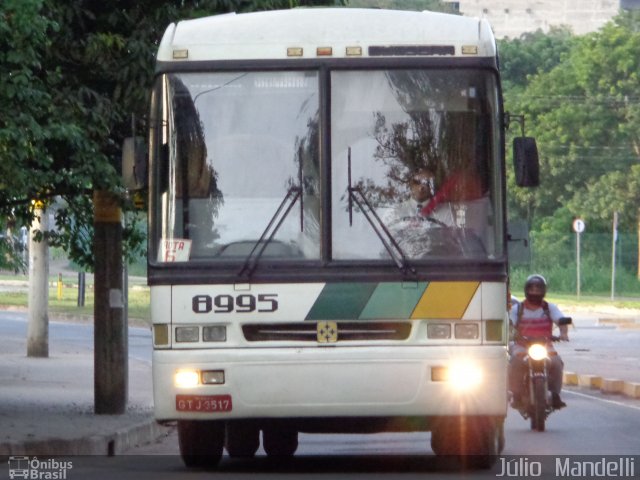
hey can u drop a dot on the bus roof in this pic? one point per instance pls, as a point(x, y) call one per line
point(326, 33)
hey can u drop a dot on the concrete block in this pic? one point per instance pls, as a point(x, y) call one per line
point(631, 389)
point(590, 381)
point(612, 385)
point(570, 378)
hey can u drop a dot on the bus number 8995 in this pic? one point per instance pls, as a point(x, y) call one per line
point(244, 303)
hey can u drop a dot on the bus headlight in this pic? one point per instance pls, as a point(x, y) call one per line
point(464, 376)
point(439, 330)
point(537, 351)
point(187, 334)
point(214, 333)
point(467, 331)
point(186, 378)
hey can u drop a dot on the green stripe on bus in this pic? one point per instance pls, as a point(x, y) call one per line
point(393, 300)
point(341, 301)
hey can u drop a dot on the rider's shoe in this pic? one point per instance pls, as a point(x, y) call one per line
point(557, 402)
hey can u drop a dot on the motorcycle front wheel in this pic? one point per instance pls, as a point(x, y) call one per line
point(539, 407)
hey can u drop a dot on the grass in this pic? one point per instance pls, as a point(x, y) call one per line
point(66, 305)
point(593, 300)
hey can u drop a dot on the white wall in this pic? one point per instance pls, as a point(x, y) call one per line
point(511, 18)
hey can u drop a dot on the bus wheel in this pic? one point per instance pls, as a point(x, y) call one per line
point(201, 442)
point(279, 441)
point(242, 438)
point(476, 440)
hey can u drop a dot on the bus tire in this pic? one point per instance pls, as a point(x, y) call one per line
point(477, 441)
point(201, 442)
point(279, 441)
point(242, 438)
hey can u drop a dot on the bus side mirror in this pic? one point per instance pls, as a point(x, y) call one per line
point(134, 163)
point(526, 162)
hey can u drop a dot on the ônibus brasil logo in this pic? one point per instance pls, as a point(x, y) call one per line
point(32, 468)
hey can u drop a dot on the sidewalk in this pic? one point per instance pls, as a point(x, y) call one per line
point(46, 404)
point(603, 352)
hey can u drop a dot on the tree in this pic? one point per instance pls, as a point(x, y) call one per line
point(521, 60)
point(584, 113)
point(31, 125)
point(617, 191)
point(74, 74)
point(531, 54)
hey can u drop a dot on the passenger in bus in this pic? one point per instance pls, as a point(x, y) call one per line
point(423, 203)
point(446, 219)
point(439, 205)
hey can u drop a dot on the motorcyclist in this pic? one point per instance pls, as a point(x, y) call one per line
point(535, 317)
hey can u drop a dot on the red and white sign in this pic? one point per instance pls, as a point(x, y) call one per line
point(174, 250)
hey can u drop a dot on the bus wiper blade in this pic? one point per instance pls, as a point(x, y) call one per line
point(386, 237)
point(383, 233)
point(289, 200)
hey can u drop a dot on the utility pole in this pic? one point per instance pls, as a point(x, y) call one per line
point(111, 329)
point(613, 255)
point(38, 324)
point(578, 227)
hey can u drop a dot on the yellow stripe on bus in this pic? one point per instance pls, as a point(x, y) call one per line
point(445, 300)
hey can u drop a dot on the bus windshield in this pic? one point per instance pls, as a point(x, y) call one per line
point(413, 162)
point(423, 147)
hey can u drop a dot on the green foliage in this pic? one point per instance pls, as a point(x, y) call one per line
point(521, 59)
point(617, 191)
point(72, 75)
point(31, 124)
point(580, 100)
point(580, 96)
point(532, 53)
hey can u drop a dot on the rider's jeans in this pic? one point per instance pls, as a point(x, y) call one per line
point(518, 369)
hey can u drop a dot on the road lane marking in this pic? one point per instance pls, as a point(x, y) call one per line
point(613, 402)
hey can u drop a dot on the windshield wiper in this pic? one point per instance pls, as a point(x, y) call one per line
point(386, 237)
point(291, 197)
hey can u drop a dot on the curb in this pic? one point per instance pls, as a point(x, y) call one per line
point(103, 445)
point(620, 323)
point(605, 385)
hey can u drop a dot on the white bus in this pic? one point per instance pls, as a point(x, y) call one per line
point(291, 291)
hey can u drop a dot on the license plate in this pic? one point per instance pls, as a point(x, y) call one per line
point(203, 403)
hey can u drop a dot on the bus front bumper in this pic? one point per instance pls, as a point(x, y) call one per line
point(330, 382)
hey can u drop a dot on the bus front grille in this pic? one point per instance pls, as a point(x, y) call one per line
point(310, 331)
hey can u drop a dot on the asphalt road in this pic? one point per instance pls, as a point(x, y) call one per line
point(592, 424)
point(70, 337)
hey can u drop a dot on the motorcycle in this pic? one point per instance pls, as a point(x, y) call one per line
point(537, 403)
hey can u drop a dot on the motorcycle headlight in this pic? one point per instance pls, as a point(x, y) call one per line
point(537, 351)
